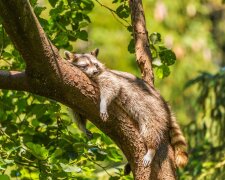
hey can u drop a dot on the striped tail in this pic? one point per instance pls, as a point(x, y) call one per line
point(179, 144)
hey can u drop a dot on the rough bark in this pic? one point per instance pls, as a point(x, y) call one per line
point(141, 41)
point(48, 75)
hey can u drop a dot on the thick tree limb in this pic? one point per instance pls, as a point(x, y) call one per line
point(13, 80)
point(142, 48)
point(27, 35)
point(47, 75)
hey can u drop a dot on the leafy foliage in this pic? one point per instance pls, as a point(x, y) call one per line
point(67, 22)
point(162, 56)
point(210, 127)
point(37, 135)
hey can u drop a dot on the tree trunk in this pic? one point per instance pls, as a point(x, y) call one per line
point(48, 75)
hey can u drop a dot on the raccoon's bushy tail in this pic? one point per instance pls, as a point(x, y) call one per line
point(178, 142)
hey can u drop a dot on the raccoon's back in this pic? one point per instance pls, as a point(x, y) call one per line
point(138, 99)
point(142, 101)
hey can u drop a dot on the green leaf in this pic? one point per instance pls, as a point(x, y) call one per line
point(115, 1)
point(38, 10)
point(37, 109)
point(70, 168)
point(114, 155)
point(123, 11)
point(8, 161)
point(83, 24)
point(162, 71)
point(53, 2)
point(155, 38)
point(83, 35)
point(72, 129)
point(167, 56)
point(33, 2)
point(57, 153)
point(7, 55)
point(131, 47)
point(130, 29)
point(100, 155)
point(87, 5)
point(153, 51)
point(61, 39)
point(37, 150)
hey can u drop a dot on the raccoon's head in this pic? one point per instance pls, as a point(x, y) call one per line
point(87, 62)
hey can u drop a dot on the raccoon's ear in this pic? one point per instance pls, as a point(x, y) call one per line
point(68, 55)
point(95, 52)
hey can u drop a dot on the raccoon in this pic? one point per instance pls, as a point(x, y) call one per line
point(139, 100)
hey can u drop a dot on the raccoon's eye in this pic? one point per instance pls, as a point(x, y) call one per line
point(83, 67)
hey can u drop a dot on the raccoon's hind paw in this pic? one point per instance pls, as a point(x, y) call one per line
point(147, 160)
point(104, 116)
point(148, 157)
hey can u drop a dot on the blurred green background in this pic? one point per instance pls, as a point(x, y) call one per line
point(195, 88)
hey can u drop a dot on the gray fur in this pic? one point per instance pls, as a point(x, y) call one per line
point(140, 101)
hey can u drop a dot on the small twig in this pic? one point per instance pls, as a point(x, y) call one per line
point(115, 15)
point(9, 138)
point(99, 165)
point(25, 164)
point(6, 61)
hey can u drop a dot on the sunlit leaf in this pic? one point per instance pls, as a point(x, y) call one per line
point(162, 71)
point(70, 168)
point(37, 150)
point(155, 38)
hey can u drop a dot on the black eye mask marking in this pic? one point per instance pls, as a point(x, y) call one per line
point(83, 67)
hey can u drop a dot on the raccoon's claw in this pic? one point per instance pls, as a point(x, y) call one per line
point(89, 134)
point(104, 116)
point(148, 157)
point(147, 160)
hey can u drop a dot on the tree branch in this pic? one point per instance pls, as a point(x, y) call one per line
point(27, 35)
point(47, 75)
point(13, 80)
point(142, 48)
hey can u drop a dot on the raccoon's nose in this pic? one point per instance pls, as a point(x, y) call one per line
point(95, 72)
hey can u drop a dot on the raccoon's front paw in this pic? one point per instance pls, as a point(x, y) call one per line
point(104, 115)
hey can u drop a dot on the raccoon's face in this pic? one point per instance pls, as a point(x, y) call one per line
point(87, 63)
